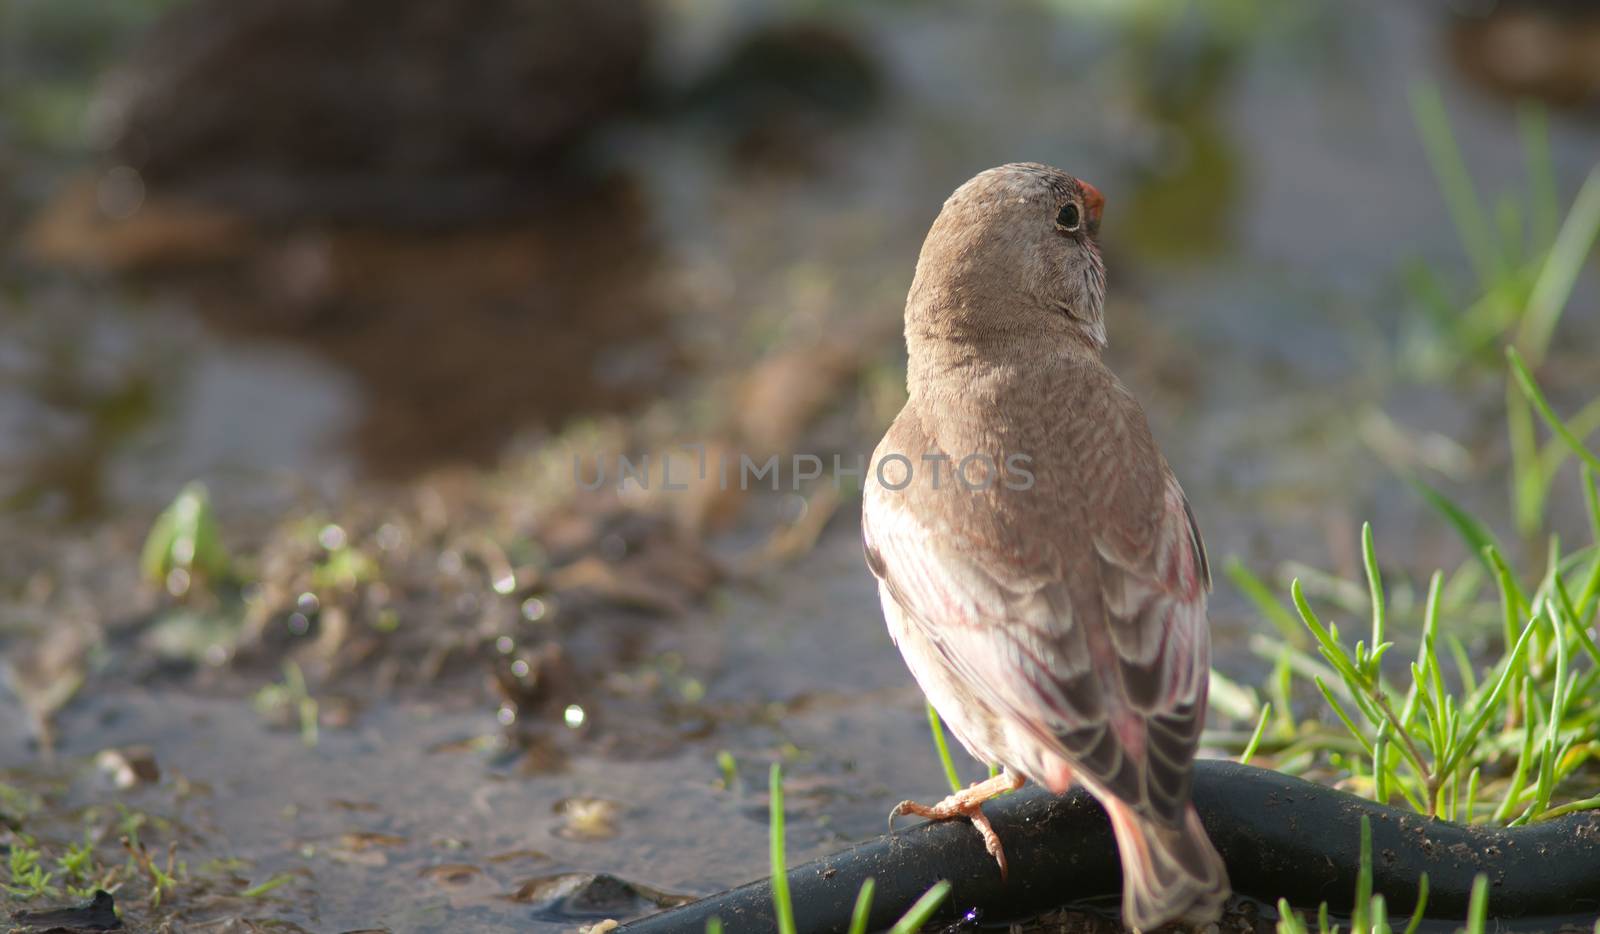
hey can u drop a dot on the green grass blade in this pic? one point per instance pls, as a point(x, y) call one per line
point(1287, 662)
point(256, 891)
point(1288, 921)
point(1426, 286)
point(1463, 663)
point(1491, 703)
point(1268, 605)
point(1369, 558)
point(1422, 905)
point(1519, 774)
point(1533, 125)
point(858, 915)
point(922, 909)
point(1361, 920)
point(1338, 710)
point(1571, 807)
point(1561, 267)
point(1552, 739)
point(1554, 453)
point(1591, 585)
point(1330, 647)
point(1255, 738)
point(1513, 604)
point(1567, 617)
point(1455, 183)
point(1591, 498)
point(943, 748)
point(1535, 395)
point(1430, 635)
point(1234, 701)
point(1475, 534)
point(1583, 607)
point(1528, 488)
point(1281, 687)
point(1478, 905)
point(1508, 223)
point(782, 905)
point(1431, 707)
point(1380, 764)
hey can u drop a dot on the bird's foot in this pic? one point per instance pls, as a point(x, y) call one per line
point(968, 803)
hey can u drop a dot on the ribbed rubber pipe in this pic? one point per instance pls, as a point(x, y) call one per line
point(1280, 836)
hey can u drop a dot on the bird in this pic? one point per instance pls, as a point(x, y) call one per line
point(1039, 567)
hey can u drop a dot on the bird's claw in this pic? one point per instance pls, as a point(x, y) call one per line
point(958, 806)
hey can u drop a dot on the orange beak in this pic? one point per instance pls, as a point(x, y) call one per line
point(1093, 201)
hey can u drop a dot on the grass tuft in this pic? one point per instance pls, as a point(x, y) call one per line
point(1370, 914)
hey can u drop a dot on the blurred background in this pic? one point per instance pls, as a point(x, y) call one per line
point(307, 307)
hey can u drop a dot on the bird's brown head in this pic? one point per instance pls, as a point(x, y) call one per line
point(1012, 256)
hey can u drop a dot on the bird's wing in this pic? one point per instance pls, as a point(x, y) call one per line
point(1113, 673)
point(1153, 578)
point(1012, 642)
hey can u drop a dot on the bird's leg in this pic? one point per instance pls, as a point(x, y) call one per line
point(968, 803)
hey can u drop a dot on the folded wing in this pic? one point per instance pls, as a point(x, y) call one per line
point(1104, 665)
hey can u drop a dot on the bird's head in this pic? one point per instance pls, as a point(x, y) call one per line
point(1013, 254)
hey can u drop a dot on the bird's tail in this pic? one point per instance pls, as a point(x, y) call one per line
point(1168, 873)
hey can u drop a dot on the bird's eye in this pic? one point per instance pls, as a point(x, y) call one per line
point(1069, 218)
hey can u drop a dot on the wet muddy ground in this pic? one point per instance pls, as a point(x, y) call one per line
point(418, 815)
point(591, 739)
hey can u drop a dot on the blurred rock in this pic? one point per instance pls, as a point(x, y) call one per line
point(779, 90)
point(588, 895)
point(1549, 49)
point(129, 766)
point(451, 874)
point(404, 111)
point(99, 913)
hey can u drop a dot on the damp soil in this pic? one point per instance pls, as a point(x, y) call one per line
point(510, 704)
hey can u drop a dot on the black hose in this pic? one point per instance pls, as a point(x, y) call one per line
point(1281, 837)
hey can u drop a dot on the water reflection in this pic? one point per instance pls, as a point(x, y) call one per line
point(80, 407)
point(1188, 179)
point(449, 341)
point(399, 239)
point(1545, 49)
